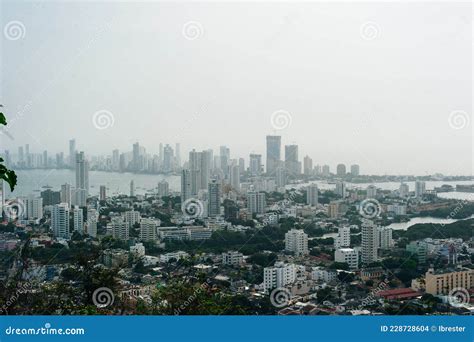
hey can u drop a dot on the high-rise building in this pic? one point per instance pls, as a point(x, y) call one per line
point(214, 202)
point(280, 177)
point(348, 256)
point(273, 153)
point(369, 242)
point(168, 158)
point(78, 220)
point(79, 198)
point(163, 188)
point(195, 161)
point(355, 170)
point(185, 185)
point(256, 202)
point(82, 172)
point(293, 166)
point(384, 237)
point(51, 197)
point(72, 153)
point(341, 170)
point(341, 189)
point(255, 165)
point(312, 195)
point(326, 170)
point(136, 157)
point(60, 220)
point(307, 165)
point(404, 190)
point(296, 241)
point(132, 188)
point(102, 193)
point(278, 276)
point(118, 228)
point(116, 160)
point(33, 207)
point(148, 230)
point(241, 165)
point(420, 188)
point(371, 191)
point(66, 194)
point(343, 238)
point(224, 158)
point(235, 177)
point(205, 168)
point(91, 224)
point(131, 217)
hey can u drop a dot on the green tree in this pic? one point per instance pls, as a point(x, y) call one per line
point(7, 175)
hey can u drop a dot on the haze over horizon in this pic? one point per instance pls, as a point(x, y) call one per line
point(387, 86)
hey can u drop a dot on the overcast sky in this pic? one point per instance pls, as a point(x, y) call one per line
point(387, 85)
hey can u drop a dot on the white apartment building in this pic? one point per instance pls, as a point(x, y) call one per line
point(384, 237)
point(343, 238)
point(173, 255)
point(60, 220)
point(232, 258)
point(148, 230)
point(369, 242)
point(348, 256)
point(118, 228)
point(131, 217)
point(78, 220)
point(296, 241)
point(279, 275)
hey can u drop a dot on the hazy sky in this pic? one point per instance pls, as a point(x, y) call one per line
point(384, 85)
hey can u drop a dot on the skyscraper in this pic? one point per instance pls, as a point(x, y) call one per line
point(132, 188)
point(235, 177)
point(66, 194)
point(185, 185)
point(214, 208)
point(163, 188)
point(102, 193)
point(341, 170)
point(195, 159)
point(255, 166)
point(273, 153)
point(312, 195)
point(326, 171)
point(256, 202)
point(91, 224)
point(82, 172)
point(341, 189)
point(225, 156)
point(72, 153)
point(293, 166)
point(420, 188)
point(78, 219)
point(307, 166)
point(60, 220)
point(168, 158)
point(369, 242)
point(355, 170)
point(147, 230)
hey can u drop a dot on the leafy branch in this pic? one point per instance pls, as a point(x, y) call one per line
point(7, 175)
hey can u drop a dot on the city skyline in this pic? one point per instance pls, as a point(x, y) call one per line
point(349, 96)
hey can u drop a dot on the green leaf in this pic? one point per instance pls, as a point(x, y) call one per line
point(3, 120)
point(8, 176)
